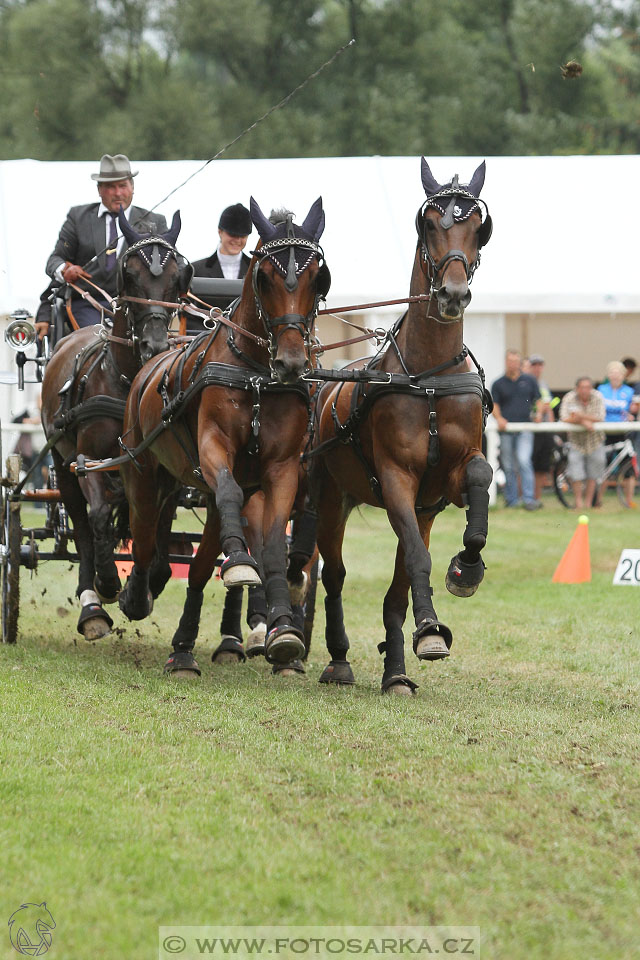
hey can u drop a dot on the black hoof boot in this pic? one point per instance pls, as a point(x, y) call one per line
point(463, 579)
point(182, 663)
point(94, 622)
point(288, 669)
point(284, 644)
point(229, 650)
point(135, 609)
point(338, 672)
point(399, 685)
point(432, 640)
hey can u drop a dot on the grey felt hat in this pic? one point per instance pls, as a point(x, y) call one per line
point(114, 168)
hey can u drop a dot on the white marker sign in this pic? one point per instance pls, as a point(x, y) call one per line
point(628, 570)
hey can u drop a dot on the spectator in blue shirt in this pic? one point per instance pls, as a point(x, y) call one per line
point(618, 395)
point(514, 400)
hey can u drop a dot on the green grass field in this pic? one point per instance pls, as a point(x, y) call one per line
point(505, 795)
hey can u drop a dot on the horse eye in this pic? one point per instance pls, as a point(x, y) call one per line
point(430, 225)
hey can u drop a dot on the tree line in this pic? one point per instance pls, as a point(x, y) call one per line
point(168, 79)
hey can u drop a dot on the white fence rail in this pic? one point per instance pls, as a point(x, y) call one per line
point(493, 438)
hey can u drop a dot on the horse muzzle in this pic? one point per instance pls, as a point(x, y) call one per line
point(154, 335)
point(453, 299)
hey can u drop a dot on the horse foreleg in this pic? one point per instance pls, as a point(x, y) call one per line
point(145, 506)
point(238, 568)
point(284, 642)
point(257, 600)
point(106, 582)
point(466, 569)
point(431, 639)
point(181, 662)
point(94, 622)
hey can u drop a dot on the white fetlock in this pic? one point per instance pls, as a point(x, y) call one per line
point(89, 596)
point(298, 591)
point(255, 641)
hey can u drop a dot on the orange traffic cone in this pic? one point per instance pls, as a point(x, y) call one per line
point(575, 566)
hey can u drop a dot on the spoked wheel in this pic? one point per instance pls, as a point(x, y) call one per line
point(562, 484)
point(11, 540)
point(626, 485)
point(57, 518)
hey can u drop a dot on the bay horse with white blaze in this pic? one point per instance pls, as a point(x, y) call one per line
point(84, 391)
point(404, 431)
point(229, 415)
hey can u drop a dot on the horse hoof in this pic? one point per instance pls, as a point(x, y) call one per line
point(399, 690)
point(400, 685)
point(107, 592)
point(338, 673)
point(463, 579)
point(182, 664)
point(254, 646)
point(431, 647)
point(229, 650)
point(293, 669)
point(240, 570)
point(227, 657)
point(135, 610)
point(94, 622)
point(242, 575)
point(298, 591)
point(95, 628)
point(283, 645)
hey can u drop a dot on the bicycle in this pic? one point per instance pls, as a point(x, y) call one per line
point(623, 470)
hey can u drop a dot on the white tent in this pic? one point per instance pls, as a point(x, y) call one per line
point(565, 228)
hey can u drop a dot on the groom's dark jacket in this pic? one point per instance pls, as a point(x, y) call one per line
point(83, 236)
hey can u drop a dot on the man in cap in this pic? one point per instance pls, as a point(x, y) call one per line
point(543, 443)
point(228, 261)
point(90, 240)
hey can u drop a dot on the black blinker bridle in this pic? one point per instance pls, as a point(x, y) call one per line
point(288, 321)
point(156, 262)
point(448, 218)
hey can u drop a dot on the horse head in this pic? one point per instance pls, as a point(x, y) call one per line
point(452, 232)
point(289, 278)
point(151, 269)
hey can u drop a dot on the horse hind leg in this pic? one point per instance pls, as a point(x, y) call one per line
point(332, 519)
point(394, 611)
point(230, 649)
point(466, 569)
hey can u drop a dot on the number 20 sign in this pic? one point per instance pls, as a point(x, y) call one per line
point(628, 570)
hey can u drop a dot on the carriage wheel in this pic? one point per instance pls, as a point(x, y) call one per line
point(562, 484)
point(11, 540)
point(625, 486)
point(57, 518)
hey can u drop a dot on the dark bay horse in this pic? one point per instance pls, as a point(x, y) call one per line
point(412, 444)
point(229, 415)
point(84, 390)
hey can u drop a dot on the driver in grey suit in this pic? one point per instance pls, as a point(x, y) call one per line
point(90, 240)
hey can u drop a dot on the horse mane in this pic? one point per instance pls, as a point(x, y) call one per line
point(280, 216)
